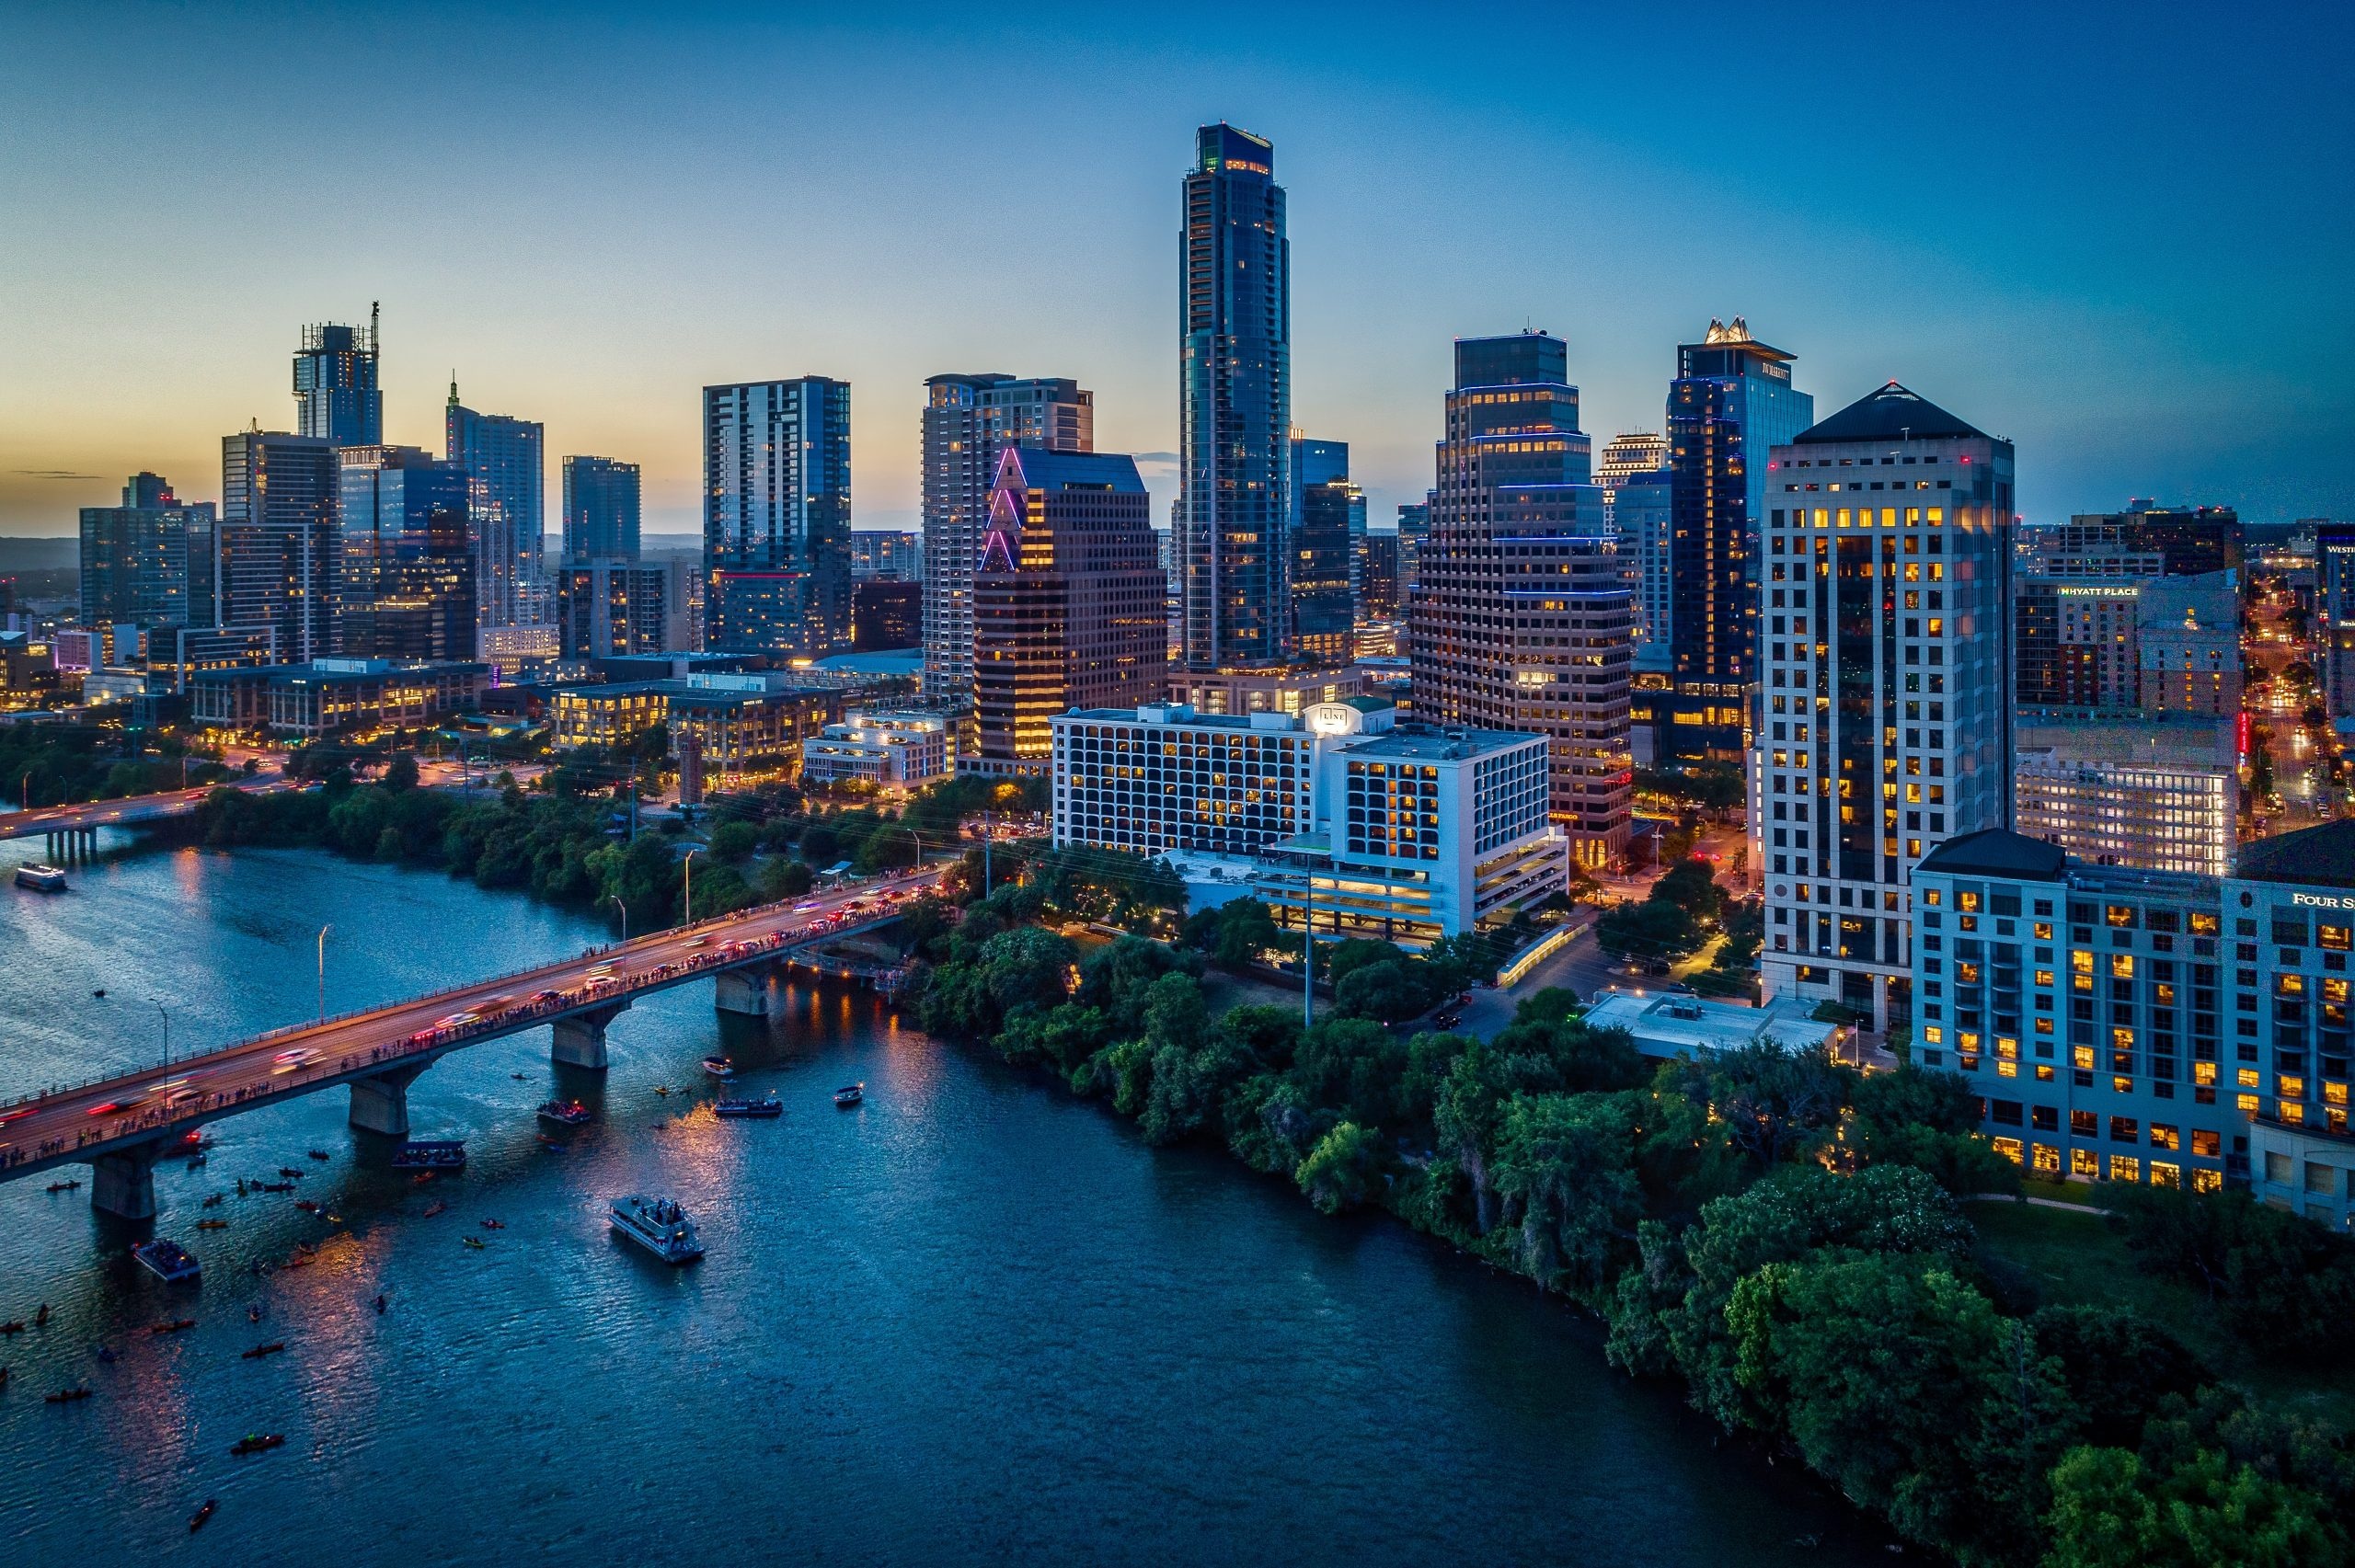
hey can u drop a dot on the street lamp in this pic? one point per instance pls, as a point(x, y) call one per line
point(167, 1034)
point(615, 899)
point(323, 971)
point(688, 865)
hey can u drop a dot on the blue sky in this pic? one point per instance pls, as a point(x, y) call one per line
point(2119, 235)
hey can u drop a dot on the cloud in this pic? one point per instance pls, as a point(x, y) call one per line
point(51, 474)
point(1154, 456)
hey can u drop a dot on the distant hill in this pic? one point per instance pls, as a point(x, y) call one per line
point(39, 555)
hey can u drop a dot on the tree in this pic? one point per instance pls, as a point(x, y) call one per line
point(1341, 1172)
point(2120, 1367)
point(2111, 1510)
point(1388, 990)
point(1775, 1102)
point(733, 841)
point(2278, 1278)
point(1244, 930)
point(1563, 1168)
point(400, 773)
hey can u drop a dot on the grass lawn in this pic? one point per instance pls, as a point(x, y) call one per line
point(2078, 1259)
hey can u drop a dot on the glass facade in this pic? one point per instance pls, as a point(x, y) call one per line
point(777, 517)
point(1235, 407)
point(336, 396)
point(149, 561)
point(506, 460)
point(277, 552)
point(407, 588)
point(601, 510)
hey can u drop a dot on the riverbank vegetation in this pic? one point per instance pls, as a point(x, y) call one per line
point(61, 764)
point(1785, 1237)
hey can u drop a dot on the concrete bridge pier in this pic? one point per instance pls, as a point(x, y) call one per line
point(123, 1183)
point(380, 1103)
point(749, 990)
point(581, 1040)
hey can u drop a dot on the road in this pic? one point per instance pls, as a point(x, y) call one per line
point(128, 812)
point(79, 1123)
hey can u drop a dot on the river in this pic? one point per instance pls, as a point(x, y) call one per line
point(972, 1321)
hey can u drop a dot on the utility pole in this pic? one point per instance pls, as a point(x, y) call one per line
point(323, 971)
point(1308, 950)
point(989, 832)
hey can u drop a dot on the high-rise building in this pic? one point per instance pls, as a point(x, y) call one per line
point(2117, 642)
point(1520, 618)
point(149, 561)
point(336, 396)
point(777, 517)
point(608, 607)
point(893, 554)
point(1638, 497)
point(1327, 520)
point(885, 614)
point(1731, 401)
point(1378, 577)
point(1886, 633)
point(601, 510)
point(969, 421)
point(2186, 541)
point(1413, 524)
point(505, 460)
point(1234, 406)
point(2123, 788)
point(405, 590)
point(278, 553)
point(1067, 600)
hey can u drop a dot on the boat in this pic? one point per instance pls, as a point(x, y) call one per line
point(66, 1186)
point(258, 1443)
point(196, 1520)
point(14, 1327)
point(719, 1068)
point(292, 1173)
point(494, 1224)
point(436, 1206)
point(174, 1326)
point(474, 1242)
point(659, 1226)
point(67, 1396)
point(273, 1187)
point(258, 1351)
point(306, 1204)
point(41, 1317)
point(321, 1154)
point(40, 878)
point(213, 1225)
point(662, 1089)
point(567, 1113)
point(166, 1261)
point(850, 1094)
point(768, 1107)
point(431, 1154)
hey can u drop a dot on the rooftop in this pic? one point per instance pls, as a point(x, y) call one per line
point(2322, 856)
point(1997, 851)
point(1420, 744)
point(1671, 1023)
point(1041, 470)
point(1891, 413)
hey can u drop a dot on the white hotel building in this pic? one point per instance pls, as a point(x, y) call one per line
point(1368, 827)
point(1884, 630)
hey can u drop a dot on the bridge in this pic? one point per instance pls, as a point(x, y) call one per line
point(121, 1125)
point(76, 827)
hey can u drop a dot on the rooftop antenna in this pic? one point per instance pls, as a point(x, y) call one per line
point(372, 306)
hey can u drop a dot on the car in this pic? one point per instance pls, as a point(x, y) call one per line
point(804, 908)
point(109, 1107)
point(179, 1097)
point(539, 996)
point(704, 941)
point(455, 1021)
point(8, 1116)
point(289, 1061)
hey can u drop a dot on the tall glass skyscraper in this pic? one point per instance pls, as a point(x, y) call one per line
point(1327, 519)
point(505, 459)
point(278, 550)
point(335, 395)
point(149, 561)
point(405, 588)
point(970, 421)
point(777, 517)
point(1234, 406)
point(1732, 399)
point(601, 510)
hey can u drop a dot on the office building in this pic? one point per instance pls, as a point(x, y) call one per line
point(893, 553)
point(1371, 828)
point(1068, 601)
point(777, 517)
point(2188, 637)
point(334, 696)
point(405, 584)
point(2186, 541)
point(1887, 634)
point(1324, 595)
point(1414, 524)
point(277, 551)
point(1379, 579)
point(886, 612)
point(735, 722)
point(602, 502)
point(1292, 689)
point(2153, 791)
point(505, 460)
point(191, 650)
point(1633, 456)
point(149, 561)
point(335, 395)
point(1731, 402)
point(2335, 614)
point(1638, 497)
point(890, 750)
point(609, 608)
point(1235, 407)
point(2148, 1027)
point(968, 422)
point(1520, 619)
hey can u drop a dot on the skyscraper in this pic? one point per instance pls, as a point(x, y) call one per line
point(1639, 495)
point(777, 517)
point(149, 561)
point(336, 395)
point(1732, 399)
point(1520, 618)
point(405, 588)
point(1235, 404)
point(276, 547)
point(505, 460)
point(1068, 601)
point(601, 510)
point(1888, 728)
point(969, 421)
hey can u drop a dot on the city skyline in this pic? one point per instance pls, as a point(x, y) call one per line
point(2140, 318)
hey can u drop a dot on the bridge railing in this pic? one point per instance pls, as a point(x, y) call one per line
point(733, 918)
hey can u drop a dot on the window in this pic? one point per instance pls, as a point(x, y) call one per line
point(2124, 1129)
